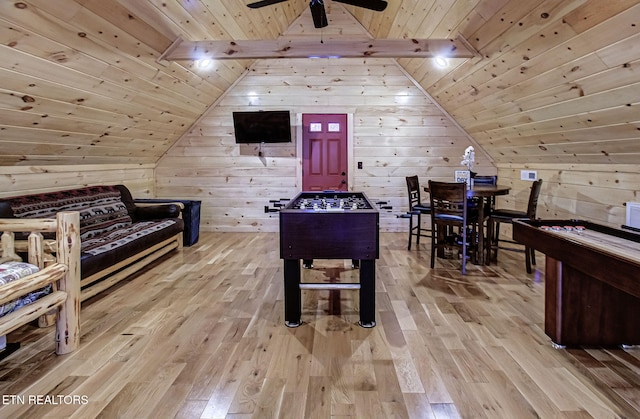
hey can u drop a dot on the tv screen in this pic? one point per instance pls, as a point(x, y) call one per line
point(262, 127)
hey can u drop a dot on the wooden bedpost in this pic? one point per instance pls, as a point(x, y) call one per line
point(68, 322)
point(7, 252)
point(36, 257)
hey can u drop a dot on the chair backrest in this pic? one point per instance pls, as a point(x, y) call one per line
point(413, 188)
point(485, 180)
point(448, 201)
point(532, 207)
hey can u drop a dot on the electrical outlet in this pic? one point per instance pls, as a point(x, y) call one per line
point(530, 175)
point(359, 165)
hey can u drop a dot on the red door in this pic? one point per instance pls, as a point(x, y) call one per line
point(324, 152)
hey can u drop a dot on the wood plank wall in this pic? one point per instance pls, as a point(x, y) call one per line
point(397, 132)
point(23, 180)
point(596, 193)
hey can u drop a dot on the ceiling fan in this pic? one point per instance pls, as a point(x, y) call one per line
point(317, 8)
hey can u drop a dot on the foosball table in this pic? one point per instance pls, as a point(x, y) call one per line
point(329, 225)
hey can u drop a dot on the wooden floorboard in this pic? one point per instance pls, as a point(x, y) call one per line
point(202, 335)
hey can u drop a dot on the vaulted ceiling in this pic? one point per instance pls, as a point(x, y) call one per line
point(83, 81)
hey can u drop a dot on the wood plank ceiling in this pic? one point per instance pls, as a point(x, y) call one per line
point(557, 80)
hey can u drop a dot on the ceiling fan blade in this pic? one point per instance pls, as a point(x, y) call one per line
point(377, 5)
point(318, 14)
point(263, 3)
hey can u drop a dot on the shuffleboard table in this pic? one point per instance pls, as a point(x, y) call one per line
point(592, 280)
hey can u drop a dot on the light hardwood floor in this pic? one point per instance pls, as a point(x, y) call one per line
point(201, 335)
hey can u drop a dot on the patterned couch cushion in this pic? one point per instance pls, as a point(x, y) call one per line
point(101, 209)
point(12, 271)
point(107, 250)
point(120, 237)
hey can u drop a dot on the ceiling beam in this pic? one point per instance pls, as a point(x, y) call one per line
point(182, 50)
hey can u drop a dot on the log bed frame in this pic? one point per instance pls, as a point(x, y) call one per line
point(63, 271)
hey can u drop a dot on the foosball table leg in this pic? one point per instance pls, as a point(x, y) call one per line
point(367, 293)
point(292, 293)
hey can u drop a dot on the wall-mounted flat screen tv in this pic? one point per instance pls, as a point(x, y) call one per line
point(262, 127)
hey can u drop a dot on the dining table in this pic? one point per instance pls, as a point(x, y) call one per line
point(483, 194)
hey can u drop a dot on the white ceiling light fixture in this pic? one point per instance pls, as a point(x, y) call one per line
point(441, 61)
point(204, 63)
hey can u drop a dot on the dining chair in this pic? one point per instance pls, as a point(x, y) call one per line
point(489, 205)
point(416, 209)
point(450, 212)
point(487, 180)
point(499, 216)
